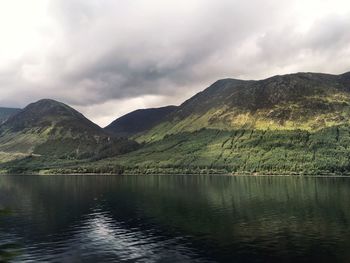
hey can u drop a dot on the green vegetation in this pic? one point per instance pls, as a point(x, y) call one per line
point(214, 151)
point(244, 151)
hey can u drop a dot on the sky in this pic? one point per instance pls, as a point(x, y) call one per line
point(108, 57)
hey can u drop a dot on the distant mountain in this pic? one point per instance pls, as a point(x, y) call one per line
point(5, 113)
point(139, 121)
point(54, 130)
point(307, 101)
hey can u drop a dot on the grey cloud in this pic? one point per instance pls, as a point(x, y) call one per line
point(159, 55)
point(106, 50)
point(327, 38)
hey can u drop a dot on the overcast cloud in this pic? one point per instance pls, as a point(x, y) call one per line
point(108, 57)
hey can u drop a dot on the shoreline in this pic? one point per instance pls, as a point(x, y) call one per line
point(182, 174)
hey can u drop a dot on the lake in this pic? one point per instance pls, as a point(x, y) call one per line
point(178, 218)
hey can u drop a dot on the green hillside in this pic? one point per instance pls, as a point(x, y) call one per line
point(240, 151)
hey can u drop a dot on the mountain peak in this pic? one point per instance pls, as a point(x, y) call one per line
point(49, 106)
point(45, 100)
point(47, 103)
point(49, 113)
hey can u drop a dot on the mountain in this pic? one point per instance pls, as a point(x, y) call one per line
point(307, 101)
point(291, 124)
point(50, 114)
point(52, 129)
point(139, 121)
point(5, 113)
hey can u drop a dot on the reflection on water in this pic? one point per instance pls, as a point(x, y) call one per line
point(177, 218)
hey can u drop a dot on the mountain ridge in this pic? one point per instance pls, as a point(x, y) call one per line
point(287, 124)
point(283, 102)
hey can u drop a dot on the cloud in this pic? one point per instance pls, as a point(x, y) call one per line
point(108, 56)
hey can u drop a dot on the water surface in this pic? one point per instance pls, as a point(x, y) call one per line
point(176, 218)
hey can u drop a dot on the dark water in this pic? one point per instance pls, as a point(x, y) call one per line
point(176, 218)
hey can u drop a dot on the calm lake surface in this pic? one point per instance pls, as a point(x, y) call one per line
point(176, 218)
